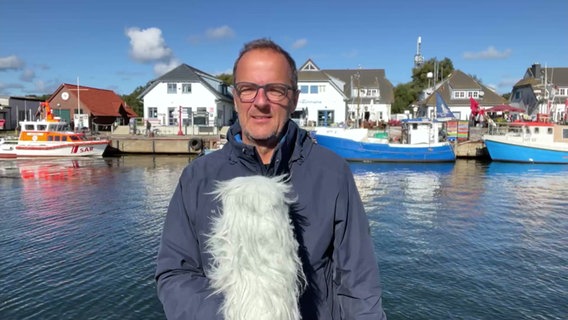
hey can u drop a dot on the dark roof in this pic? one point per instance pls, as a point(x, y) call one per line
point(363, 78)
point(458, 80)
point(186, 73)
point(535, 75)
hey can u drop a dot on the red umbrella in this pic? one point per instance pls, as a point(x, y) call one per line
point(504, 108)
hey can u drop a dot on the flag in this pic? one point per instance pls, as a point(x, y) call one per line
point(474, 106)
point(442, 110)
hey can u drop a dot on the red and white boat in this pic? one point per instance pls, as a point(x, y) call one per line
point(51, 137)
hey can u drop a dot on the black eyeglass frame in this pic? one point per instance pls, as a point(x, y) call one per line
point(266, 88)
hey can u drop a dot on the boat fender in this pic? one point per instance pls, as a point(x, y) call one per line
point(195, 144)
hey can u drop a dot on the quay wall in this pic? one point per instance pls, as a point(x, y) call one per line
point(128, 144)
point(133, 144)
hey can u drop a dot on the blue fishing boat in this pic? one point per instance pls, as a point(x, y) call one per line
point(420, 140)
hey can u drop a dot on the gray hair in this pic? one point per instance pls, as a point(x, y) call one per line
point(265, 43)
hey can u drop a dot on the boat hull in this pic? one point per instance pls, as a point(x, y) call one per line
point(77, 149)
point(510, 151)
point(387, 152)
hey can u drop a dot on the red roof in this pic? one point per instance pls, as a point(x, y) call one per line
point(100, 102)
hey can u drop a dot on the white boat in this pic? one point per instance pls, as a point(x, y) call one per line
point(51, 137)
point(421, 141)
point(529, 142)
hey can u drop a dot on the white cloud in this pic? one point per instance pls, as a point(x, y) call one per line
point(351, 54)
point(300, 43)
point(148, 45)
point(162, 67)
point(27, 75)
point(222, 32)
point(489, 53)
point(11, 63)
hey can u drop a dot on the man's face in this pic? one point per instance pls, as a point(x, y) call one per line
point(262, 120)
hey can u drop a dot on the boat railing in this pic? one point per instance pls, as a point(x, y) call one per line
point(499, 129)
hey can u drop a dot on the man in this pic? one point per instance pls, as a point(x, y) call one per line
point(338, 270)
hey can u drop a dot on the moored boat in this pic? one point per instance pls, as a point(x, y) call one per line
point(528, 142)
point(421, 140)
point(51, 137)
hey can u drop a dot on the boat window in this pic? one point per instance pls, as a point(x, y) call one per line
point(527, 130)
point(63, 138)
point(29, 127)
point(564, 133)
point(41, 127)
point(57, 138)
point(74, 138)
point(50, 138)
point(549, 131)
point(536, 131)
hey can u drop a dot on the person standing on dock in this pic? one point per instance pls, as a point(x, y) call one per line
point(272, 225)
point(148, 128)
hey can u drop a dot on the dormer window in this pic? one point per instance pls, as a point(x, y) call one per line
point(463, 94)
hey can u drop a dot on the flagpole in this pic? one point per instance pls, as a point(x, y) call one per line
point(78, 98)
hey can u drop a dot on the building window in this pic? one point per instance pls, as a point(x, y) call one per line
point(313, 89)
point(172, 88)
point(373, 92)
point(321, 88)
point(152, 112)
point(186, 88)
point(325, 118)
point(304, 89)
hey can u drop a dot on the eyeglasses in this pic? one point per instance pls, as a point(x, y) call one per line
point(275, 92)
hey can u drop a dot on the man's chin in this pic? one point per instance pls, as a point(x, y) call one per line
point(262, 139)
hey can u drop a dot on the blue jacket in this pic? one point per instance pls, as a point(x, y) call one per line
point(329, 219)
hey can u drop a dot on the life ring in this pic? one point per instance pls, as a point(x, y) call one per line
point(195, 144)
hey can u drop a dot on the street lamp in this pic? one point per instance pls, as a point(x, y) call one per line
point(180, 133)
point(429, 75)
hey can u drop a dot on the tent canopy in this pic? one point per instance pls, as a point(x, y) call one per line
point(504, 108)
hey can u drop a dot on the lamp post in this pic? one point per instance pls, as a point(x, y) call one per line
point(358, 76)
point(180, 133)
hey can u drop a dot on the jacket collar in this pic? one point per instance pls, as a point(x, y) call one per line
point(290, 149)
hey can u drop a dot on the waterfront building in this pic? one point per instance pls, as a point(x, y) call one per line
point(330, 97)
point(456, 90)
point(88, 107)
point(543, 91)
point(200, 99)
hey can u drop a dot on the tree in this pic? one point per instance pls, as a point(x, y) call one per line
point(226, 78)
point(133, 101)
point(405, 94)
point(420, 75)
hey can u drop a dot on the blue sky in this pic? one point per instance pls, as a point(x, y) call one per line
point(120, 45)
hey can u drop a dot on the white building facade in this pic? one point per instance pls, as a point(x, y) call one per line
point(188, 95)
point(341, 97)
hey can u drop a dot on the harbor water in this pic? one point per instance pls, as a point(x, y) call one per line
point(464, 240)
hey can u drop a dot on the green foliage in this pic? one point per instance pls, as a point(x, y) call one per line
point(226, 78)
point(134, 102)
point(420, 75)
point(405, 94)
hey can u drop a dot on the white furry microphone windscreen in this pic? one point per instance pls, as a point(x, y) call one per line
point(256, 266)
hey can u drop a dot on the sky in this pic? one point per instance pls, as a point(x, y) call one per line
point(122, 45)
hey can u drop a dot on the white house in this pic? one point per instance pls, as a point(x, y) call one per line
point(456, 90)
point(543, 91)
point(196, 97)
point(336, 97)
